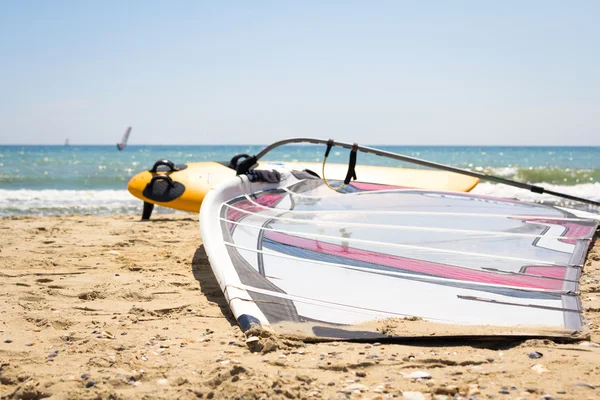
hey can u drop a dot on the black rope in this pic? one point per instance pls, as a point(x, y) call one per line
point(329, 146)
point(351, 174)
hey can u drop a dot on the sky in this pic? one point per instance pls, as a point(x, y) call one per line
point(252, 72)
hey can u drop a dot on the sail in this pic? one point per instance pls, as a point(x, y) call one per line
point(123, 142)
point(377, 261)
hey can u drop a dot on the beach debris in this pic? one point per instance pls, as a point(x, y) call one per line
point(266, 345)
point(417, 375)
point(355, 388)
point(89, 384)
point(136, 375)
point(162, 381)
point(305, 378)
point(449, 390)
point(589, 344)
point(252, 340)
point(106, 335)
point(413, 395)
point(474, 390)
point(361, 374)
point(535, 354)
point(539, 368)
point(8, 341)
point(586, 385)
point(85, 375)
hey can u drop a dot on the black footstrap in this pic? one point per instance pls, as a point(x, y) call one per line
point(166, 166)
point(233, 163)
point(162, 188)
point(244, 166)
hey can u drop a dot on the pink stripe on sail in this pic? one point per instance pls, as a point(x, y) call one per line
point(412, 265)
point(572, 229)
point(551, 272)
point(268, 200)
point(376, 186)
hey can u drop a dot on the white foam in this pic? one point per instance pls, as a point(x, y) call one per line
point(57, 202)
point(590, 191)
point(103, 202)
point(68, 196)
point(503, 171)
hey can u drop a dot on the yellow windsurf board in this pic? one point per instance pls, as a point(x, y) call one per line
point(183, 186)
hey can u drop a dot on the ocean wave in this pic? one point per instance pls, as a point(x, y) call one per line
point(589, 191)
point(105, 202)
point(549, 175)
point(61, 202)
point(42, 181)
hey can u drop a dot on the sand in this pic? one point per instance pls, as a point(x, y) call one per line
point(111, 307)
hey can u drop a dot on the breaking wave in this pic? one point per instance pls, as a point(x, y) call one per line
point(62, 202)
point(548, 175)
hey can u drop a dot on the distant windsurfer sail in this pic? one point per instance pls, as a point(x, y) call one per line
point(123, 142)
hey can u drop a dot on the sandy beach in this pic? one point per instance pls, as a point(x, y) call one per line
point(112, 307)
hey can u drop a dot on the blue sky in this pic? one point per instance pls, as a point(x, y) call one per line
point(225, 72)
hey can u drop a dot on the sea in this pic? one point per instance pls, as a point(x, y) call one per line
point(57, 180)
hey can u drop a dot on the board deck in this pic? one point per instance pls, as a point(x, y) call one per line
point(376, 261)
point(200, 177)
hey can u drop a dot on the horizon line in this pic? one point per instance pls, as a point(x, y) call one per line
point(296, 144)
